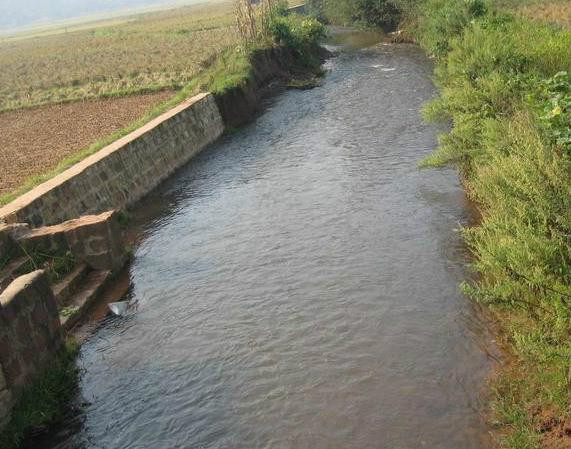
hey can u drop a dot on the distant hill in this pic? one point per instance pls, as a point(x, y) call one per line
point(23, 13)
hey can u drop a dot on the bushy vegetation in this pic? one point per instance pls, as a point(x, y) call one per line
point(441, 20)
point(296, 32)
point(270, 25)
point(506, 89)
point(369, 13)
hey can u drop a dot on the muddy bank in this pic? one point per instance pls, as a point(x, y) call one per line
point(272, 68)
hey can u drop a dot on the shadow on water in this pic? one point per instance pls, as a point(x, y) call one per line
point(296, 286)
point(351, 39)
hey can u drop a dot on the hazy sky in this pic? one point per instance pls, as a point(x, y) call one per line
point(17, 13)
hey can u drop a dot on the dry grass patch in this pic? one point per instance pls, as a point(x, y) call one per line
point(552, 12)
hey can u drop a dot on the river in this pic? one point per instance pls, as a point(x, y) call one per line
point(296, 286)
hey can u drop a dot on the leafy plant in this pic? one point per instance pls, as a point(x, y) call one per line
point(296, 32)
point(556, 114)
point(369, 13)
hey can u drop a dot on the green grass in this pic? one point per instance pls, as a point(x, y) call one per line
point(231, 69)
point(46, 401)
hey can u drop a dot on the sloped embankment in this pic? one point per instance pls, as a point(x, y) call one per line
point(505, 85)
point(268, 67)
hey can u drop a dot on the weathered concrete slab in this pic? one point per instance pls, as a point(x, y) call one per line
point(93, 239)
point(93, 286)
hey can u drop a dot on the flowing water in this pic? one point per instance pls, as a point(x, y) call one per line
point(296, 286)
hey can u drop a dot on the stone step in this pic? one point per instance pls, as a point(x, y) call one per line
point(79, 303)
point(70, 284)
point(15, 268)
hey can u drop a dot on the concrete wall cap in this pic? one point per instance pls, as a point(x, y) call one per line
point(85, 220)
point(18, 285)
point(15, 230)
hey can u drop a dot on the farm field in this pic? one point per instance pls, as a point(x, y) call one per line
point(34, 140)
point(152, 52)
point(61, 92)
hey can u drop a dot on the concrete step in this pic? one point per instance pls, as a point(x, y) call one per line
point(15, 268)
point(78, 304)
point(70, 284)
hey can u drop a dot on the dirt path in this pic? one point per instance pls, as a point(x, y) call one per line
point(34, 141)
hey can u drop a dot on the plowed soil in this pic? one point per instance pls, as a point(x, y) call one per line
point(33, 141)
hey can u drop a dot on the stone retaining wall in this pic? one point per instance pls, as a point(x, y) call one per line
point(6, 401)
point(122, 173)
point(30, 335)
point(92, 239)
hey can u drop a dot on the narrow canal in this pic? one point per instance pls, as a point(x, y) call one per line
point(298, 286)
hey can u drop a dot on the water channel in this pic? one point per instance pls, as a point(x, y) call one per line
point(296, 286)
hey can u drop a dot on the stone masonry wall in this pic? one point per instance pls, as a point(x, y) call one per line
point(30, 335)
point(6, 400)
point(92, 239)
point(122, 173)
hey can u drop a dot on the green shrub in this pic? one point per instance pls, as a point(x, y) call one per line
point(442, 20)
point(377, 13)
point(370, 13)
point(296, 32)
point(505, 89)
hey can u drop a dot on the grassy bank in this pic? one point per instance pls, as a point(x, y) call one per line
point(503, 69)
point(505, 86)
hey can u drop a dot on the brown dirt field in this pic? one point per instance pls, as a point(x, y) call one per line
point(33, 141)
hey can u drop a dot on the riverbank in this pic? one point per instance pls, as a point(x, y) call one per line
point(504, 74)
point(505, 86)
point(292, 290)
point(238, 81)
point(109, 79)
